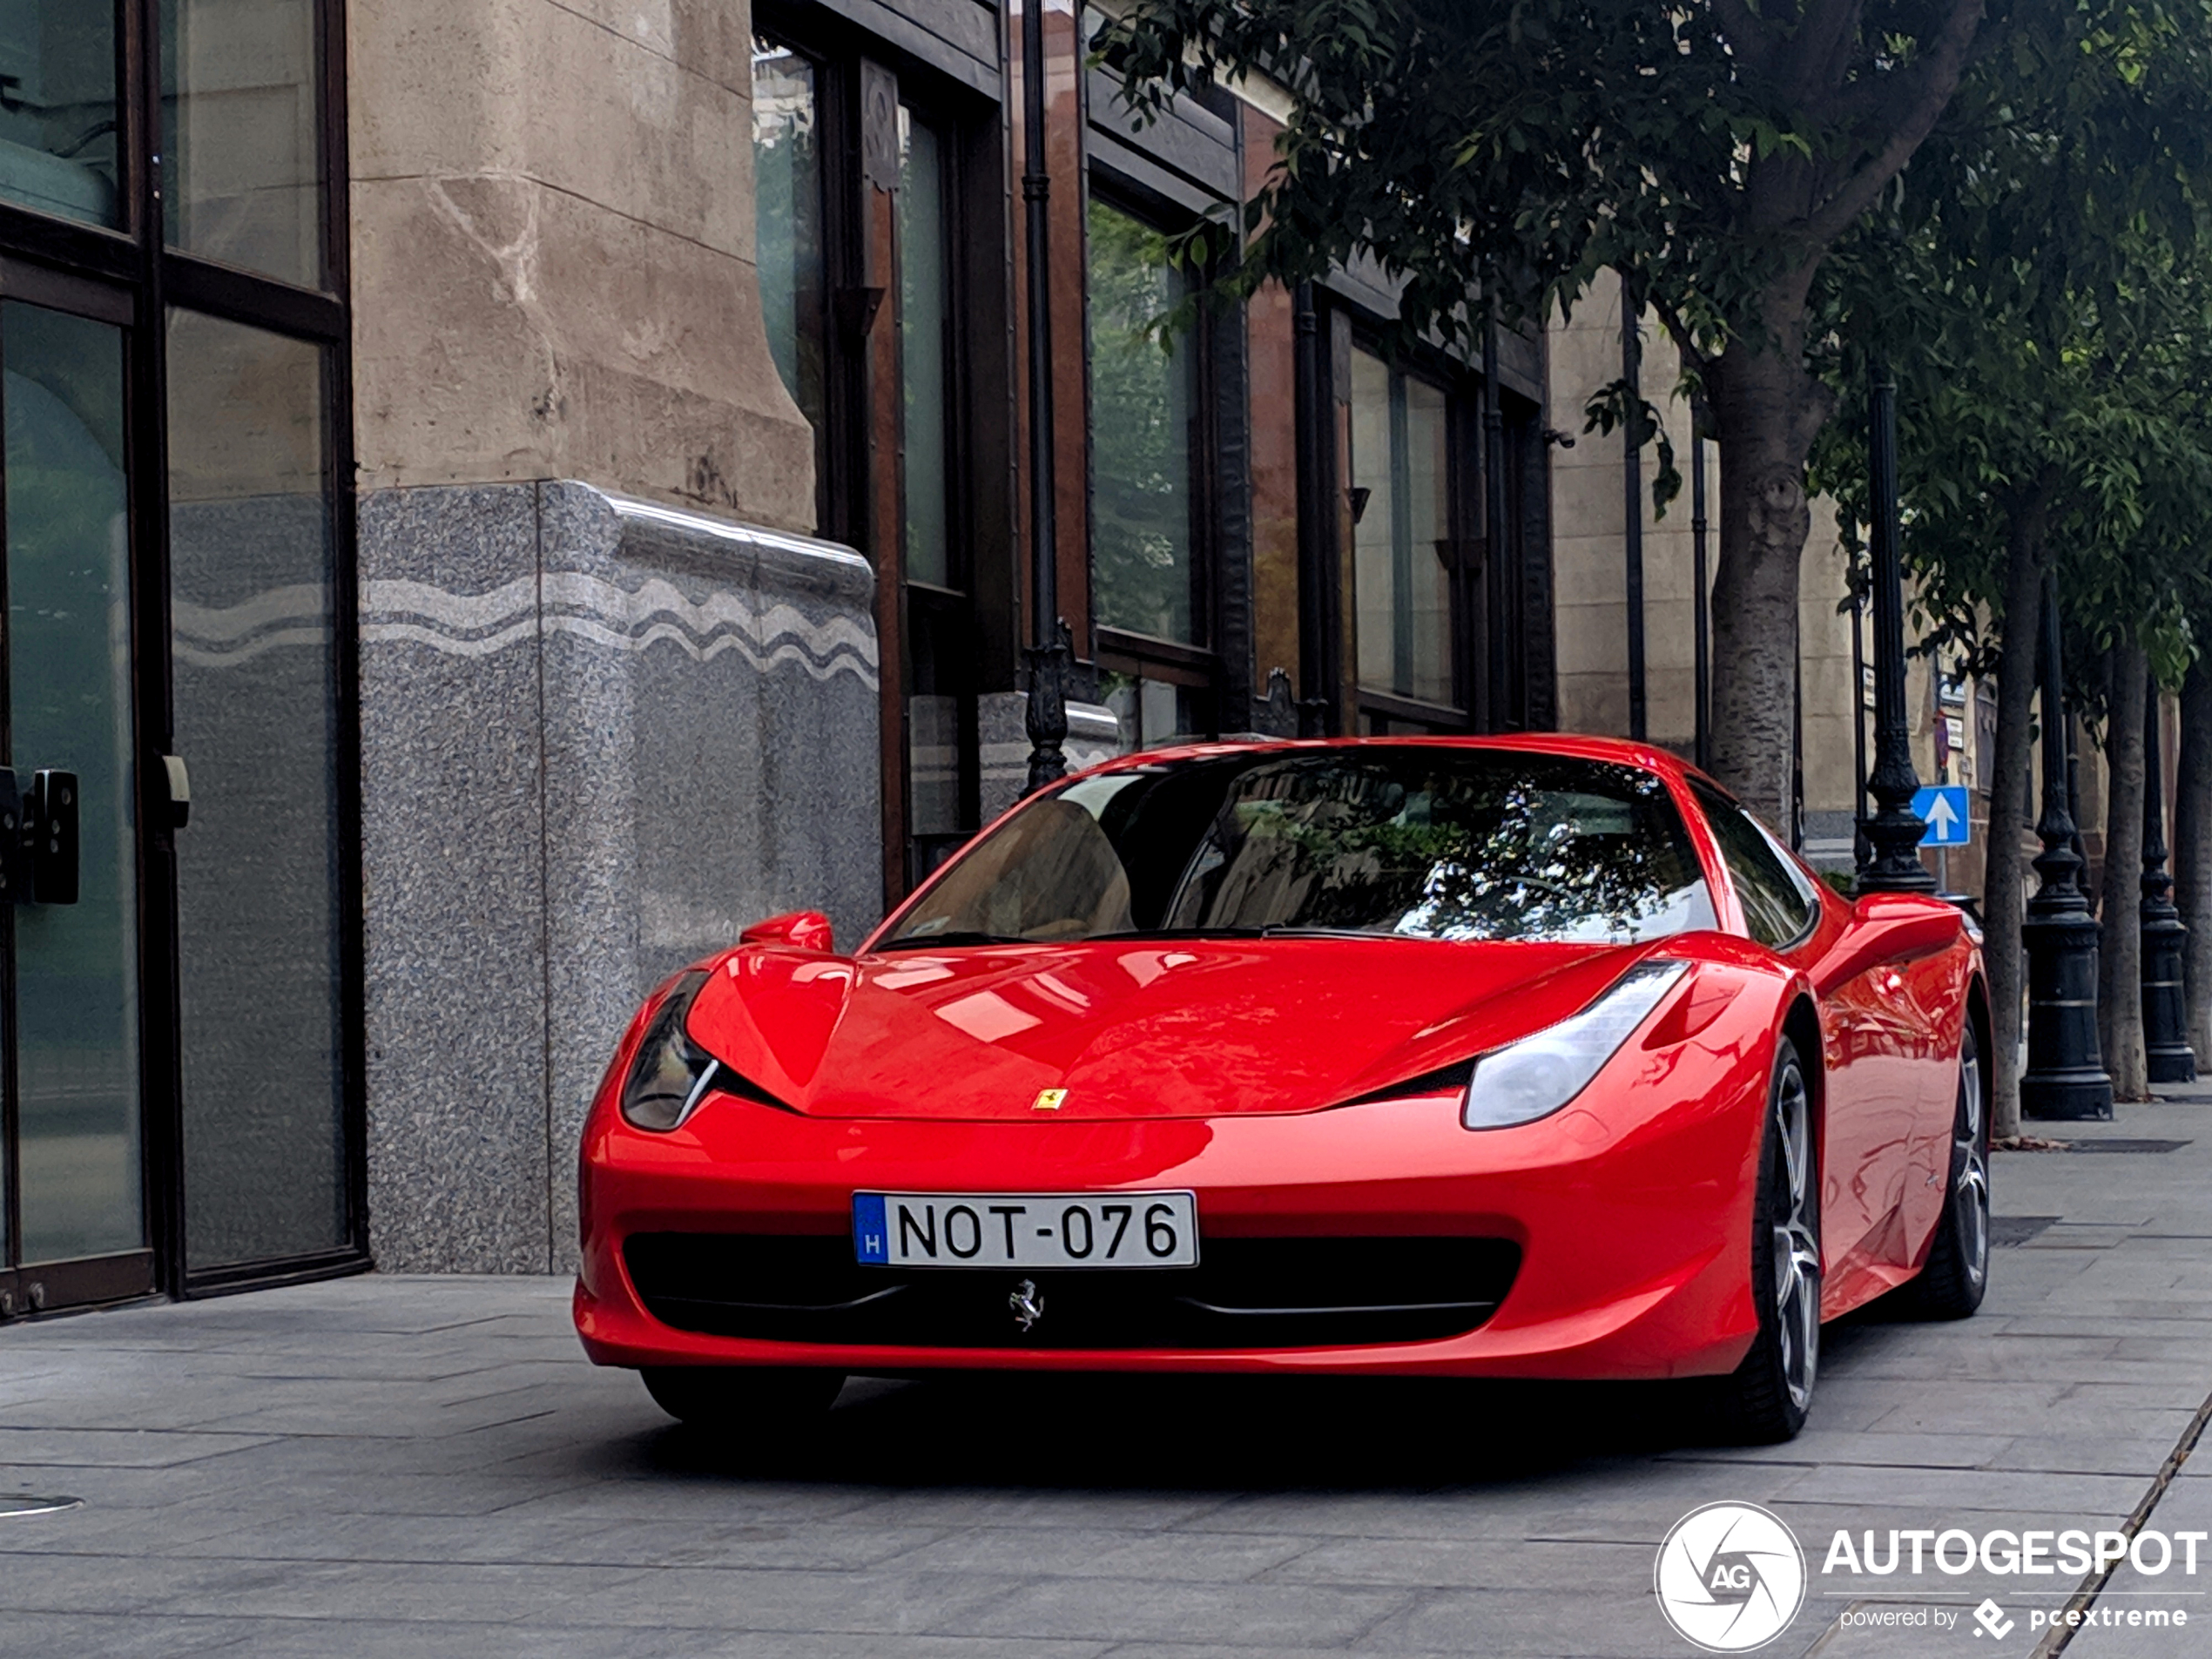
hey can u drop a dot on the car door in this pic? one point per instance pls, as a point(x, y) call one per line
point(1866, 1108)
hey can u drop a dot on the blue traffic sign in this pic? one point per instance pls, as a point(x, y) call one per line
point(1943, 807)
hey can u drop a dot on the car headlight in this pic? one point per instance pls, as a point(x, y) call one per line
point(670, 1073)
point(1535, 1078)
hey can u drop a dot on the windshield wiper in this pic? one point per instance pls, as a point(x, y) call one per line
point(926, 941)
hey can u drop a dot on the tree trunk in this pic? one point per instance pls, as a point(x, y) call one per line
point(2001, 900)
point(2119, 1001)
point(2192, 852)
point(1767, 411)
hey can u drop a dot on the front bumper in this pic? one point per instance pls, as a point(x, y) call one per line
point(1632, 1221)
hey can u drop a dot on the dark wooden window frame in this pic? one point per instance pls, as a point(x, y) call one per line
point(1463, 388)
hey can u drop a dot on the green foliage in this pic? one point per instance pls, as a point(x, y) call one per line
point(1709, 151)
point(2039, 284)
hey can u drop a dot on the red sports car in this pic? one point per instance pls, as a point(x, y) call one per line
point(1532, 1057)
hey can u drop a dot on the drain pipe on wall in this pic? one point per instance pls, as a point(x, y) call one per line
point(1632, 504)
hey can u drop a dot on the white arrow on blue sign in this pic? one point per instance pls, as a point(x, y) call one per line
point(1943, 807)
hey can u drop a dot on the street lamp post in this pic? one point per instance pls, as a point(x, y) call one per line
point(1046, 717)
point(1893, 834)
point(2065, 1078)
point(2165, 1012)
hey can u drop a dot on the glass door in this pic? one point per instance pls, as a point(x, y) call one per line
point(72, 1222)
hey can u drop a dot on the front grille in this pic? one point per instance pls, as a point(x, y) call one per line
point(1244, 1293)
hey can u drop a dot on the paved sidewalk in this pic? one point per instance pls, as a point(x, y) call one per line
point(427, 1467)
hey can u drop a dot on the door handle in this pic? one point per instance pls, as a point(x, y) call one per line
point(179, 779)
point(38, 838)
point(15, 852)
point(50, 834)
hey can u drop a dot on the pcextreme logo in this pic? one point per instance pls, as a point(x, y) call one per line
point(1729, 1577)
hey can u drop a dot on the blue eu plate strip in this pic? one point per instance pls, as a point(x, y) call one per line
point(871, 1239)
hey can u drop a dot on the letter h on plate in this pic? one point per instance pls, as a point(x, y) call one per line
point(869, 1234)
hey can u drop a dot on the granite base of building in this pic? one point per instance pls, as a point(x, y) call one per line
point(598, 738)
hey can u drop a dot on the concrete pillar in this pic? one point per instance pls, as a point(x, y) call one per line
point(553, 253)
point(615, 703)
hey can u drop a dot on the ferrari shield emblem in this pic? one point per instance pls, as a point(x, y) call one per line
point(1047, 1099)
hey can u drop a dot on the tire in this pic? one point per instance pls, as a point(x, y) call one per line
point(1951, 1285)
point(1765, 1398)
point(730, 1399)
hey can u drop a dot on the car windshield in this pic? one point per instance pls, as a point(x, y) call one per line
point(1425, 842)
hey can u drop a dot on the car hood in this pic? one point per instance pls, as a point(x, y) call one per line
point(1129, 1030)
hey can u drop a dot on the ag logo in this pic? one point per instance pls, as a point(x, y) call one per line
point(1729, 1577)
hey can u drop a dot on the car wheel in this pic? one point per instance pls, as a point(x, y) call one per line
point(720, 1399)
point(1951, 1285)
point(1766, 1398)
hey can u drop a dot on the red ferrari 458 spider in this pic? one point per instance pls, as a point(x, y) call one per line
point(1532, 1057)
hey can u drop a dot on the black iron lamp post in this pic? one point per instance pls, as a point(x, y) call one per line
point(1047, 714)
point(2165, 1011)
point(1893, 834)
point(2065, 1079)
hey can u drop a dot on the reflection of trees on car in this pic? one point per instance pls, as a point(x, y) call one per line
point(1506, 854)
point(1425, 843)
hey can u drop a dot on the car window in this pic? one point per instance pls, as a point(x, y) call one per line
point(1779, 904)
point(1427, 841)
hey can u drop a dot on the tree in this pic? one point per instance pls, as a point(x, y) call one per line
point(2037, 282)
point(1712, 152)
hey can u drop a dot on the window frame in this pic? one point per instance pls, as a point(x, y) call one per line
point(134, 273)
point(1712, 800)
point(948, 609)
point(1196, 664)
point(1380, 711)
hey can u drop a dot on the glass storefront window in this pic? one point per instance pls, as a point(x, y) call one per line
point(58, 109)
point(69, 708)
point(787, 204)
point(1142, 401)
point(258, 939)
point(924, 318)
point(1401, 541)
point(242, 158)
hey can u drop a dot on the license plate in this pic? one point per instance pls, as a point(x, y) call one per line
point(1026, 1229)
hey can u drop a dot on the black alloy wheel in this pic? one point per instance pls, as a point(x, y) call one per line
point(1765, 1398)
point(1950, 1286)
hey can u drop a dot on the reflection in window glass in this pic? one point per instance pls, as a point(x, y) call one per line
point(69, 691)
point(1426, 843)
point(787, 208)
point(1401, 542)
point(1150, 711)
point(1143, 399)
point(923, 319)
point(259, 941)
point(57, 108)
point(242, 158)
point(1777, 898)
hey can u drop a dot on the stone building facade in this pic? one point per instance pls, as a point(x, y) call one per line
point(500, 493)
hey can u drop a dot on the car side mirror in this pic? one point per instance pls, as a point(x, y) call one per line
point(805, 929)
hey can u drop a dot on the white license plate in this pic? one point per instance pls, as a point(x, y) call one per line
point(1026, 1229)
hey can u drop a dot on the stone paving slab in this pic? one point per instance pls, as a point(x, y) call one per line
point(427, 1467)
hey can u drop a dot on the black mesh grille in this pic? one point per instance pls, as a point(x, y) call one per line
point(1244, 1293)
